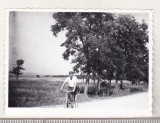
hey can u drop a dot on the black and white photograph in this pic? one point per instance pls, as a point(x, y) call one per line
point(79, 60)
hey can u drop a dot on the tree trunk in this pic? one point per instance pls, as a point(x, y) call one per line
point(17, 77)
point(121, 85)
point(132, 82)
point(94, 81)
point(110, 82)
point(116, 86)
point(116, 83)
point(98, 83)
point(88, 72)
point(87, 84)
point(83, 77)
point(136, 82)
point(86, 89)
point(109, 90)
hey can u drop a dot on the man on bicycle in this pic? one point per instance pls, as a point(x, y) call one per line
point(72, 82)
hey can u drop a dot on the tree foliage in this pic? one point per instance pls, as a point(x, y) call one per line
point(112, 46)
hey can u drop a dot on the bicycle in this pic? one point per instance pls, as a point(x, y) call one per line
point(70, 100)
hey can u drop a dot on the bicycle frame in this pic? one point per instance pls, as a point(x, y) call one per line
point(71, 103)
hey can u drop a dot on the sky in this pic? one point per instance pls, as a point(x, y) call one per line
point(30, 39)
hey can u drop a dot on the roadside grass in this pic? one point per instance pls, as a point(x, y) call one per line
point(40, 92)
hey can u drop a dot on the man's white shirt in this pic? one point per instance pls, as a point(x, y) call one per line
point(71, 82)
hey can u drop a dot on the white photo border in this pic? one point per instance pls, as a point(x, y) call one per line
point(78, 113)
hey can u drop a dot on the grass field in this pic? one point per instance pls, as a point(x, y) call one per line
point(43, 92)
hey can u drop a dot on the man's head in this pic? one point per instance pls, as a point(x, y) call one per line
point(71, 74)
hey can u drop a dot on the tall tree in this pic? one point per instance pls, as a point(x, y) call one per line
point(133, 38)
point(130, 39)
point(83, 29)
point(123, 50)
point(18, 68)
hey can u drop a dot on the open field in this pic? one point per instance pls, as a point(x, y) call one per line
point(44, 91)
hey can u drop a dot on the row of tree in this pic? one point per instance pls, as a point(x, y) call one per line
point(105, 45)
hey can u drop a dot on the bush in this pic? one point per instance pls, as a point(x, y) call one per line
point(136, 89)
point(91, 91)
point(100, 93)
point(81, 90)
point(103, 84)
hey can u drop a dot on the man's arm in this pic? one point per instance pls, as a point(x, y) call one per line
point(63, 84)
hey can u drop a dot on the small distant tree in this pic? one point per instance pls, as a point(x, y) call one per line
point(17, 68)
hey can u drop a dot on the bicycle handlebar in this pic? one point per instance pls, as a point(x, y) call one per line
point(67, 91)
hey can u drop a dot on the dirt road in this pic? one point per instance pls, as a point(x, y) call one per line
point(139, 101)
point(135, 101)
